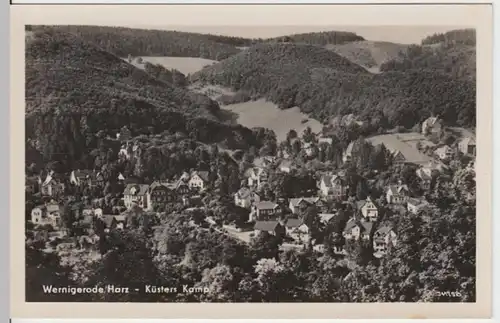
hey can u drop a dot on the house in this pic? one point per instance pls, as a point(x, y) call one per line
point(426, 174)
point(398, 158)
point(180, 187)
point(135, 194)
point(264, 210)
point(444, 152)
point(432, 126)
point(48, 214)
point(382, 238)
point(397, 194)
point(158, 194)
point(346, 156)
point(80, 177)
point(357, 230)
point(264, 162)
point(324, 140)
point(467, 146)
point(297, 229)
point(31, 184)
point(285, 166)
point(333, 186)
point(198, 180)
point(245, 198)
point(121, 177)
point(51, 186)
point(417, 205)
point(121, 221)
point(326, 217)
point(109, 222)
point(257, 176)
point(97, 180)
point(124, 134)
point(368, 209)
point(297, 205)
point(308, 148)
point(271, 227)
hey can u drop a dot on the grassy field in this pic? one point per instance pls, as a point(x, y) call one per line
point(406, 143)
point(265, 114)
point(186, 65)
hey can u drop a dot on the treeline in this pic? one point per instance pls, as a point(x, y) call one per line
point(321, 38)
point(74, 91)
point(458, 36)
point(325, 85)
point(123, 41)
point(457, 60)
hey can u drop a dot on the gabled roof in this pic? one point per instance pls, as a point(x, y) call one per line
point(266, 225)
point(350, 225)
point(468, 141)
point(108, 220)
point(310, 200)
point(360, 204)
point(417, 202)
point(326, 217)
point(397, 189)
point(294, 223)
point(244, 193)
point(383, 230)
point(366, 226)
point(432, 121)
point(201, 174)
point(141, 189)
point(266, 205)
point(53, 208)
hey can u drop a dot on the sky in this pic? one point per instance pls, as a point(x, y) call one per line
point(396, 34)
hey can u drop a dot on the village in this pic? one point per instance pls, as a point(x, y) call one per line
point(295, 220)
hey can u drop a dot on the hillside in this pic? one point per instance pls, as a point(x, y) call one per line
point(324, 84)
point(319, 38)
point(76, 93)
point(368, 53)
point(452, 53)
point(123, 41)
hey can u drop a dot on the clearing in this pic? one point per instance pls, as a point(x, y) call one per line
point(406, 143)
point(261, 113)
point(185, 65)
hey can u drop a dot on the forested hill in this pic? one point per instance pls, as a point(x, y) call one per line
point(324, 84)
point(76, 93)
point(123, 41)
point(452, 53)
point(322, 38)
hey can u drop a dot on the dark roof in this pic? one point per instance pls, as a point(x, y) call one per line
point(266, 205)
point(350, 224)
point(266, 225)
point(108, 220)
point(397, 189)
point(294, 223)
point(417, 202)
point(384, 229)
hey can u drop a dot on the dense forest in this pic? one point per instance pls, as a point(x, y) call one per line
point(143, 42)
point(457, 36)
point(324, 84)
point(319, 38)
point(452, 53)
point(75, 91)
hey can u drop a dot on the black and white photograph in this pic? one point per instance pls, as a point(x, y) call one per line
point(280, 164)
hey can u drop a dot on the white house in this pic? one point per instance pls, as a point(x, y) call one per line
point(432, 126)
point(297, 230)
point(368, 209)
point(467, 146)
point(51, 186)
point(382, 237)
point(357, 230)
point(135, 194)
point(48, 214)
point(416, 205)
point(198, 180)
point(308, 148)
point(397, 194)
point(285, 166)
point(257, 176)
point(245, 198)
point(444, 153)
point(333, 186)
